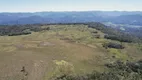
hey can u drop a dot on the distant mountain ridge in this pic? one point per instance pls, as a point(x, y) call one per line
point(118, 17)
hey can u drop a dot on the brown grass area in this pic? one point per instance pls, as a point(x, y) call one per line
point(37, 51)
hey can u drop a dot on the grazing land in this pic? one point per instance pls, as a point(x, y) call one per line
point(71, 49)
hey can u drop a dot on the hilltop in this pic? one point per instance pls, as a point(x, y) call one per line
point(47, 51)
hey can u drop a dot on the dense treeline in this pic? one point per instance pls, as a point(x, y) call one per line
point(15, 30)
point(121, 38)
point(116, 71)
point(114, 34)
point(135, 31)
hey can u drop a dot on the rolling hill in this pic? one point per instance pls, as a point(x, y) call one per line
point(132, 18)
point(50, 52)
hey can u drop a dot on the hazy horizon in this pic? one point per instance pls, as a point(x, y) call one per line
point(71, 11)
point(69, 5)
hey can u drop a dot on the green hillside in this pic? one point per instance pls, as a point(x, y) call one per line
point(56, 50)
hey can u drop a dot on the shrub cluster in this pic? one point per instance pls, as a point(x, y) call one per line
point(113, 45)
point(117, 71)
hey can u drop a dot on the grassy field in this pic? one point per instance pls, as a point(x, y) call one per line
point(71, 49)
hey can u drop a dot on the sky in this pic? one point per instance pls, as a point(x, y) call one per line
point(69, 5)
